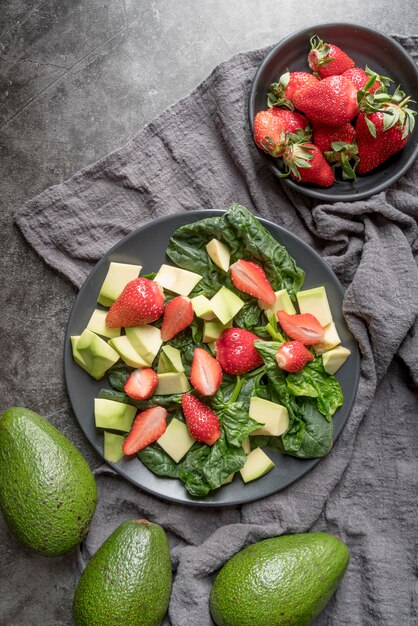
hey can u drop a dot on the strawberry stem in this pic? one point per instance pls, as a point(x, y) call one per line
point(236, 391)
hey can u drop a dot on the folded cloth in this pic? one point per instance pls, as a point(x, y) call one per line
point(199, 154)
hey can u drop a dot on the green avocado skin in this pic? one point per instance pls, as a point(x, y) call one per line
point(47, 492)
point(282, 581)
point(127, 582)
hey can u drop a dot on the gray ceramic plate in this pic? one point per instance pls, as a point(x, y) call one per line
point(146, 246)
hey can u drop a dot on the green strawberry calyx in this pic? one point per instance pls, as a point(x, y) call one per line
point(320, 51)
point(275, 95)
point(297, 156)
point(394, 109)
point(341, 155)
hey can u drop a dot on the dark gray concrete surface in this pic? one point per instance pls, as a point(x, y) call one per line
point(77, 79)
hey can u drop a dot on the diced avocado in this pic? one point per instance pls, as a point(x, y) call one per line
point(213, 330)
point(283, 303)
point(202, 308)
point(146, 340)
point(331, 339)
point(123, 346)
point(219, 253)
point(334, 359)
point(76, 355)
point(256, 465)
point(229, 479)
point(176, 279)
point(112, 449)
point(225, 304)
point(315, 301)
point(112, 415)
point(274, 417)
point(172, 382)
point(246, 446)
point(94, 354)
point(97, 324)
point(176, 440)
point(170, 360)
point(117, 277)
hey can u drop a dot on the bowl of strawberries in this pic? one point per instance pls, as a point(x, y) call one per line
point(331, 108)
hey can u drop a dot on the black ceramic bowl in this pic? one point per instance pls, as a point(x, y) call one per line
point(367, 47)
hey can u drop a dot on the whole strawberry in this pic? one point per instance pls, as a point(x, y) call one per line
point(337, 145)
point(323, 136)
point(271, 126)
point(306, 164)
point(292, 356)
point(326, 59)
point(281, 93)
point(332, 101)
point(141, 302)
point(360, 78)
point(202, 422)
point(235, 351)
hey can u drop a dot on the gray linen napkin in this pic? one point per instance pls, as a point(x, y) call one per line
point(199, 154)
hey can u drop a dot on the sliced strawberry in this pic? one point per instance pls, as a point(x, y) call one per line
point(235, 351)
point(202, 422)
point(292, 356)
point(148, 426)
point(178, 315)
point(250, 278)
point(141, 302)
point(141, 384)
point(304, 327)
point(205, 373)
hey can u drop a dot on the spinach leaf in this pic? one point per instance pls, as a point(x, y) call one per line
point(118, 375)
point(222, 461)
point(248, 316)
point(317, 435)
point(158, 461)
point(191, 472)
point(314, 382)
point(168, 402)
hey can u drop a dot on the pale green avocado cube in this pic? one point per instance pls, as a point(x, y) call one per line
point(176, 279)
point(335, 358)
point(170, 360)
point(94, 354)
point(146, 340)
point(112, 415)
point(76, 356)
point(229, 479)
point(256, 465)
point(331, 339)
point(117, 277)
point(213, 330)
point(315, 301)
point(274, 417)
point(283, 303)
point(219, 253)
point(172, 382)
point(176, 441)
point(112, 447)
point(127, 352)
point(202, 308)
point(226, 304)
point(246, 446)
point(97, 324)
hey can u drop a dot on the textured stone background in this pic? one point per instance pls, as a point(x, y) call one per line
point(77, 79)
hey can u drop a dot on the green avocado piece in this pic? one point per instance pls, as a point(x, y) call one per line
point(112, 447)
point(117, 277)
point(128, 580)
point(93, 354)
point(112, 415)
point(282, 580)
point(170, 360)
point(226, 304)
point(47, 491)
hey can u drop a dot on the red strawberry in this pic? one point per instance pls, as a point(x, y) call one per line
point(178, 315)
point(148, 426)
point(205, 373)
point(271, 126)
point(250, 278)
point(281, 93)
point(141, 302)
point(141, 384)
point(306, 164)
point(332, 101)
point(360, 78)
point(202, 422)
point(292, 356)
point(303, 327)
point(323, 136)
point(326, 59)
point(235, 351)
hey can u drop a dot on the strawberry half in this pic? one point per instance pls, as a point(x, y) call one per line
point(292, 356)
point(178, 315)
point(327, 59)
point(303, 327)
point(141, 302)
point(141, 384)
point(202, 422)
point(148, 426)
point(250, 278)
point(235, 351)
point(205, 373)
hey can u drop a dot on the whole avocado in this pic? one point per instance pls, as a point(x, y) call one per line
point(128, 580)
point(282, 581)
point(47, 492)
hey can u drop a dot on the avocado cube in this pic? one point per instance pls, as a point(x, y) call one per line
point(219, 253)
point(146, 340)
point(117, 277)
point(112, 415)
point(213, 330)
point(335, 358)
point(94, 354)
point(127, 352)
point(256, 465)
point(274, 417)
point(283, 303)
point(315, 301)
point(76, 355)
point(229, 479)
point(112, 447)
point(176, 279)
point(171, 383)
point(170, 360)
point(246, 446)
point(176, 441)
point(202, 308)
point(97, 324)
point(226, 304)
point(331, 339)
